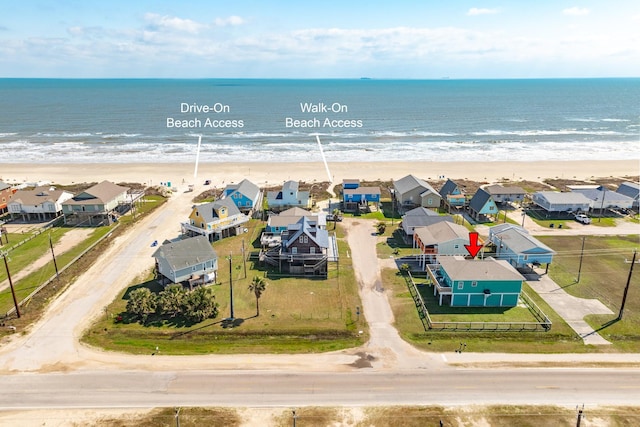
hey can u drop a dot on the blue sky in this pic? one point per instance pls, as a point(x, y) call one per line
point(320, 39)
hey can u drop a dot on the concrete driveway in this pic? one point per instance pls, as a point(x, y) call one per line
point(572, 309)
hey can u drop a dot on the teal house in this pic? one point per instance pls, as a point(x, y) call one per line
point(482, 206)
point(460, 282)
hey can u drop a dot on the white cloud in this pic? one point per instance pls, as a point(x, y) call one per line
point(480, 11)
point(229, 21)
point(576, 11)
point(173, 23)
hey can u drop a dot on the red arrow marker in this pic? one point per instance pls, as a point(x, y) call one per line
point(473, 247)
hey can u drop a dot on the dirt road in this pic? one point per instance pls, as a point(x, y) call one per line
point(70, 239)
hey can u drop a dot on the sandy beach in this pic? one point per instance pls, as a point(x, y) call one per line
point(275, 173)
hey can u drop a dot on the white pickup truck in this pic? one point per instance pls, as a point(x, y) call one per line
point(584, 219)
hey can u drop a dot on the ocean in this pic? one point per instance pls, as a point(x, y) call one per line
point(159, 120)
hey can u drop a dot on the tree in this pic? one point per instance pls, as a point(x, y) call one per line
point(257, 286)
point(141, 302)
point(335, 213)
point(170, 300)
point(381, 226)
point(199, 304)
point(404, 268)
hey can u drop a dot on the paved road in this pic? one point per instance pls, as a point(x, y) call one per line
point(568, 387)
point(48, 368)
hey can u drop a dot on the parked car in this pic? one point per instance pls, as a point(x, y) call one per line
point(582, 218)
point(332, 217)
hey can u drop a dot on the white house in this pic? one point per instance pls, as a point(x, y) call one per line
point(42, 203)
point(289, 196)
point(555, 201)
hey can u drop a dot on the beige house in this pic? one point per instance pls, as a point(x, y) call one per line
point(96, 205)
point(410, 192)
point(41, 203)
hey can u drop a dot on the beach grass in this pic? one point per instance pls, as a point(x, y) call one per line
point(297, 315)
point(379, 416)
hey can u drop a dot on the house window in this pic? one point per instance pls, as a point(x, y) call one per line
point(526, 257)
point(460, 285)
point(474, 284)
point(294, 250)
point(456, 246)
point(312, 250)
point(193, 268)
point(429, 201)
point(491, 208)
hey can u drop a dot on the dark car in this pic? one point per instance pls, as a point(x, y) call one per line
point(207, 182)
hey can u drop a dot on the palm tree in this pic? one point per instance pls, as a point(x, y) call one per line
point(257, 286)
point(142, 302)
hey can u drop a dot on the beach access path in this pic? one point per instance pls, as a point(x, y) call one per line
point(52, 344)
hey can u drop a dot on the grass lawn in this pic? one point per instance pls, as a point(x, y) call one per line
point(28, 284)
point(297, 315)
point(33, 309)
point(24, 254)
point(560, 338)
point(603, 276)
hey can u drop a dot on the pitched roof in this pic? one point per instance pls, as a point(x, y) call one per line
point(458, 268)
point(362, 190)
point(38, 195)
point(563, 197)
point(518, 239)
point(290, 186)
point(306, 226)
point(448, 188)
point(293, 215)
point(4, 186)
point(209, 211)
point(101, 193)
point(607, 197)
point(421, 217)
point(441, 232)
point(499, 189)
point(629, 189)
point(479, 199)
point(409, 183)
point(246, 188)
point(186, 253)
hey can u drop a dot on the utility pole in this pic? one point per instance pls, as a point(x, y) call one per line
point(626, 288)
point(580, 266)
point(231, 287)
point(55, 264)
point(13, 291)
point(580, 415)
point(177, 417)
point(244, 260)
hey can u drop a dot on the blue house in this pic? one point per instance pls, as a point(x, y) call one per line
point(516, 246)
point(188, 259)
point(355, 197)
point(245, 195)
point(482, 205)
point(452, 195)
point(475, 283)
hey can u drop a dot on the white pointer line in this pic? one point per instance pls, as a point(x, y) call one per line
point(195, 171)
point(326, 166)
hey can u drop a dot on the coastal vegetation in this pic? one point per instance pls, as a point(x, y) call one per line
point(295, 315)
point(69, 261)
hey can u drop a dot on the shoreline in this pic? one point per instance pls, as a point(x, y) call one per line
point(263, 173)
